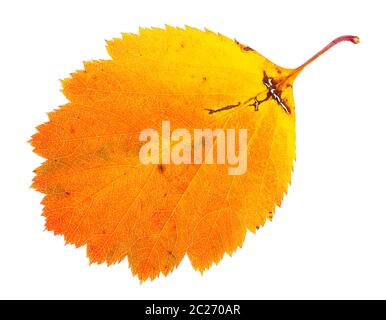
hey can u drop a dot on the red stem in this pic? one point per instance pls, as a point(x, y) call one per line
point(353, 39)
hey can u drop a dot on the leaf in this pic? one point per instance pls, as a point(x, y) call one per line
point(98, 194)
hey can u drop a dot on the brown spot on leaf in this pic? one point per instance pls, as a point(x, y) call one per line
point(243, 47)
point(170, 253)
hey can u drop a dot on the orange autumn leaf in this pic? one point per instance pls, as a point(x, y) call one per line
point(98, 193)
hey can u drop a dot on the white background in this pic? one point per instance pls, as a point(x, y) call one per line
point(328, 239)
